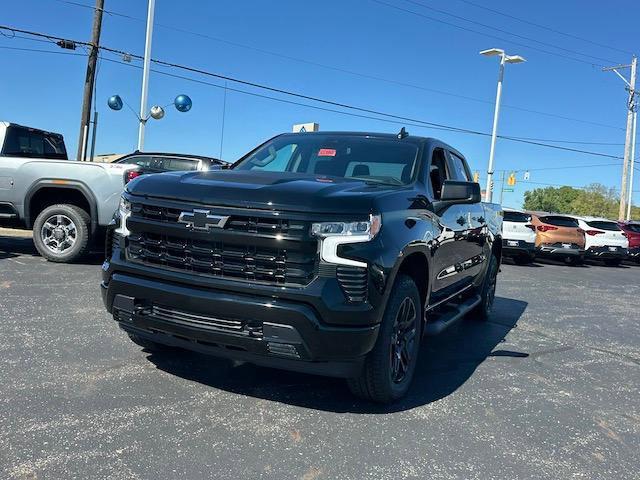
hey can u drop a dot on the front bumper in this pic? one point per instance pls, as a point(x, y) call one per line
point(514, 248)
point(607, 252)
point(261, 330)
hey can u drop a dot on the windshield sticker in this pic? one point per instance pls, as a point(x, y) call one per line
point(327, 152)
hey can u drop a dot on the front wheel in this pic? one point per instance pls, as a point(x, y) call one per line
point(61, 233)
point(389, 367)
point(613, 262)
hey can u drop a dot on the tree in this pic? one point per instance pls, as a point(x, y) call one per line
point(551, 199)
point(595, 200)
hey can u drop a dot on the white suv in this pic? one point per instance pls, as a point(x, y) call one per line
point(518, 236)
point(604, 240)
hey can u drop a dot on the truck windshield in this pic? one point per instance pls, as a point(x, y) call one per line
point(371, 159)
point(28, 142)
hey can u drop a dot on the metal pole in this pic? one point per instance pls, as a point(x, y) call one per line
point(627, 143)
point(93, 136)
point(502, 188)
point(145, 74)
point(633, 156)
point(89, 80)
point(496, 113)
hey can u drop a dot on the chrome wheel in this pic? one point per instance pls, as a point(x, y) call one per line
point(403, 340)
point(58, 233)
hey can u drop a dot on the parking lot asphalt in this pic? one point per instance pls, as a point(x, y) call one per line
point(549, 388)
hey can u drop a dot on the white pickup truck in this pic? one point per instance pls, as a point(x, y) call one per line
point(65, 202)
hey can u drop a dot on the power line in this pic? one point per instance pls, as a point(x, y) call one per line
point(332, 103)
point(459, 17)
point(340, 69)
point(544, 27)
point(39, 50)
point(489, 35)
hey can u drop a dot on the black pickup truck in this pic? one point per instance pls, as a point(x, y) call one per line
point(327, 253)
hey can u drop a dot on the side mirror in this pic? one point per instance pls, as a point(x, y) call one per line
point(455, 192)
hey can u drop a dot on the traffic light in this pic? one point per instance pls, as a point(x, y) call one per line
point(511, 181)
point(476, 177)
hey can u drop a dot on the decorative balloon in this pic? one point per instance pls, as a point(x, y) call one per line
point(156, 112)
point(115, 102)
point(183, 103)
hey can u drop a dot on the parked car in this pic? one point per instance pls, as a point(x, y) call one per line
point(632, 230)
point(65, 202)
point(604, 240)
point(518, 236)
point(158, 162)
point(559, 236)
point(326, 253)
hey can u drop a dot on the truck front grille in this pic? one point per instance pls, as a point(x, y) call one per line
point(268, 249)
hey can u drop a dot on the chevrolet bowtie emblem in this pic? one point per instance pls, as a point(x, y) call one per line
point(202, 220)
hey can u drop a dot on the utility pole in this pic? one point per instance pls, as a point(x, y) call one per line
point(633, 157)
point(145, 74)
point(631, 85)
point(90, 80)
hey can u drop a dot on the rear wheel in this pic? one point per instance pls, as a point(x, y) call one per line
point(389, 367)
point(61, 233)
point(487, 291)
point(523, 260)
point(573, 260)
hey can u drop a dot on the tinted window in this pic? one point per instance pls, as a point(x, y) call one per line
point(459, 169)
point(517, 217)
point(610, 226)
point(438, 172)
point(376, 160)
point(26, 142)
point(633, 227)
point(182, 164)
point(559, 221)
point(142, 161)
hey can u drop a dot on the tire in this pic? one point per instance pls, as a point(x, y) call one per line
point(487, 291)
point(149, 344)
point(523, 260)
point(61, 233)
point(613, 262)
point(574, 261)
point(384, 377)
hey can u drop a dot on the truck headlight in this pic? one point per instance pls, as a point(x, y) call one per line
point(334, 234)
point(124, 212)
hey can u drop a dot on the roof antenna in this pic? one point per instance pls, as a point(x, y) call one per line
point(403, 133)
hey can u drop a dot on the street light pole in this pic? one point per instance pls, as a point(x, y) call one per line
point(504, 58)
point(494, 133)
point(145, 74)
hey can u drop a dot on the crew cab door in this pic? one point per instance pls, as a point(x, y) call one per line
point(458, 258)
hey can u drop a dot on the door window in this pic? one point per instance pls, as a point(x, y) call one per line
point(459, 168)
point(438, 172)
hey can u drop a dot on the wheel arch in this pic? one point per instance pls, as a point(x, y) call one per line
point(414, 261)
point(62, 191)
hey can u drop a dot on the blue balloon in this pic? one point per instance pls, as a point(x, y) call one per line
point(183, 103)
point(115, 102)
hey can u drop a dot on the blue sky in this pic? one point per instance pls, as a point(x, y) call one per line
point(367, 37)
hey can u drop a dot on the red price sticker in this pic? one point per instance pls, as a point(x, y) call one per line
point(327, 152)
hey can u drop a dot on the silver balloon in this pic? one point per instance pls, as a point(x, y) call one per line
point(115, 102)
point(157, 112)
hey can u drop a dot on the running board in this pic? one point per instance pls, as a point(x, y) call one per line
point(450, 317)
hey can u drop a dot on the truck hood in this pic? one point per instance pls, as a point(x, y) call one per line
point(264, 190)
